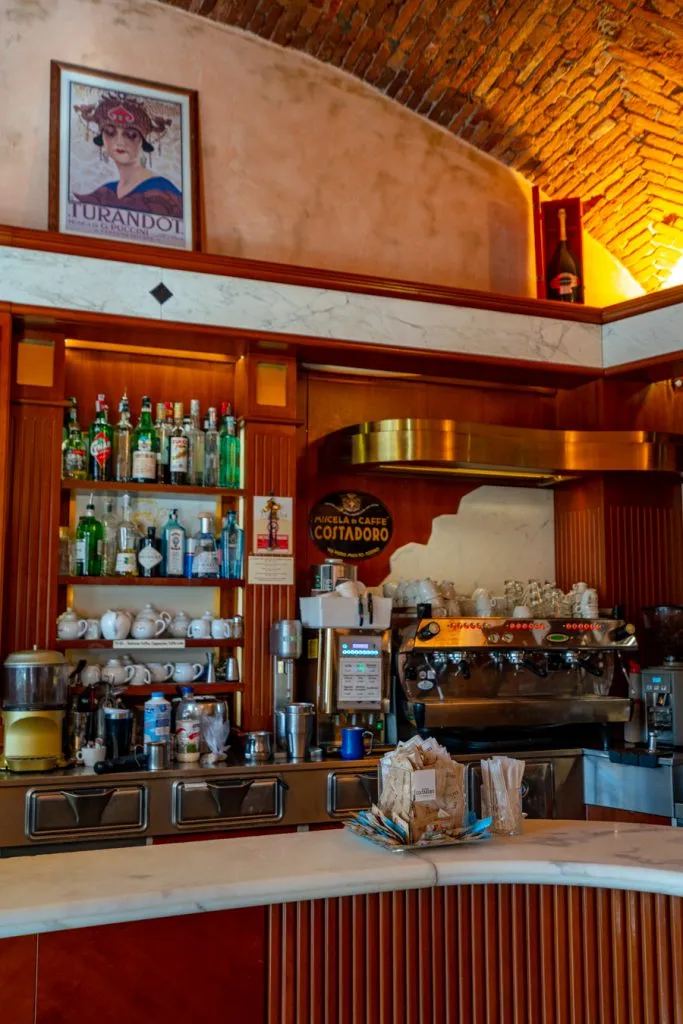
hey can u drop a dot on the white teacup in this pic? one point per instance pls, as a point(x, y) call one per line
point(138, 675)
point(160, 673)
point(220, 629)
point(521, 612)
point(187, 671)
point(93, 631)
point(200, 629)
point(91, 674)
point(88, 756)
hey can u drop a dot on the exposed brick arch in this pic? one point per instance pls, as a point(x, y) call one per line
point(580, 96)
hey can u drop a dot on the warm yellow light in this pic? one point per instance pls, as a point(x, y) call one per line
point(676, 274)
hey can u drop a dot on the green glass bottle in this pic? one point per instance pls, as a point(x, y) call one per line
point(100, 440)
point(145, 446)
point(74, 454)
point(228, 450)
point(89, 542)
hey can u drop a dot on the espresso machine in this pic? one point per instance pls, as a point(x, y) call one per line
point(349, 681)
point(478, 682)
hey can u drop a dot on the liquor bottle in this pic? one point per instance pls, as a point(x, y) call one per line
point(144, 446)
point(562, 273)
point(211, 451)
point(178, 447)
point(228, 450)
point(205, 561)
point(89, 535)
point(109, 539)
point(74, 453)
point(195, 436)
point(123, 467)
point(100, 437)
point(127, 540)
point(163, 427)
point(232, 548)
point(173, 546)
point(149, 555)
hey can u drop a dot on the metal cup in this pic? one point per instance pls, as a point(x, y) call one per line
point(258, 746)
point(158, 755)
point(299, 720)
point(232, 670)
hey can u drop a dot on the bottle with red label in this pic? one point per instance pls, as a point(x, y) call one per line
point(562, 275)
point(100, 440)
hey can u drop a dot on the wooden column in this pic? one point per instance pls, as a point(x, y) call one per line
point(5, 381)
point(265, 389)
point(623, 534)
point(31, 540)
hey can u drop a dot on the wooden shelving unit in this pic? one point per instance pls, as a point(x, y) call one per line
point(190, 491)
point(142, 581)
point(108, 645)
point(173, 689)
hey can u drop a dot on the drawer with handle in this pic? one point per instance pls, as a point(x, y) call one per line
point(85, 812)
point(228, 802)
point(350, 791)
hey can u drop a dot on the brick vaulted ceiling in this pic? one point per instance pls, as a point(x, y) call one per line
point(581, 97)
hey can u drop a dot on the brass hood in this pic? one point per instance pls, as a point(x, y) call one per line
point(518, 455)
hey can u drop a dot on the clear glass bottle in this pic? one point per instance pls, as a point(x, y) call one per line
point(232, 548)
point(173, 546)
point(195, 436)
point(89, 534)
point(127, 542)
point(74, 452)
point(100, 440)
point(109, 539)
point(179, 447)
point(164, 426)
point(187, 727)
point(211, 451)
point(205, 560)
point(144, 446)
point(228, 450)
point(149, 555)
point(123, 467)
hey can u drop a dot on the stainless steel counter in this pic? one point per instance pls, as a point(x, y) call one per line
point(630, 787)
point(76, 807)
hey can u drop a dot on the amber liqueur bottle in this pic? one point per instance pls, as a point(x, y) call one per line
point(563, 282)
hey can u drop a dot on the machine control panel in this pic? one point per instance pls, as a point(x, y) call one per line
point(360, 666)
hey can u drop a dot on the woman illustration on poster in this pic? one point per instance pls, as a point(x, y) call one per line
point(124, 128)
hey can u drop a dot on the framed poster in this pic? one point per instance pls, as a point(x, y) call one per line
point(124, 159)
point(272, 516)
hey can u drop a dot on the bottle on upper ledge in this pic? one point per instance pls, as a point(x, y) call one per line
point(74, 452)
point(211, 450)
point(123, 465)
point(144, 446)
point(563, 282)
point(173, 546)
point(89, 537)
point(228, 450)
point(127, 542)
point(232, 548)
point(205, 559)
point(149, 555)
point(100, 443)
point(179, 447)
point(164, 426)
point(109, 539)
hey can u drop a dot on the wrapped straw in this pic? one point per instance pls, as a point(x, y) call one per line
point(501, 794)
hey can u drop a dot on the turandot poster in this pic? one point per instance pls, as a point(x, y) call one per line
point(123, 159)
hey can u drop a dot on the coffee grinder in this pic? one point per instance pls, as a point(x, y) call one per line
point(34, 704)
point(285, 648)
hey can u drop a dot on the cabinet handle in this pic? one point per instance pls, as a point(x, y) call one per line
point(88, 805)
point(228, 795)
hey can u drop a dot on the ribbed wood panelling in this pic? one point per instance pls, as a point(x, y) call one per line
point(491, 954)
point(270, 466)
point(33, 526)
point(5, 377)
point(646, 566)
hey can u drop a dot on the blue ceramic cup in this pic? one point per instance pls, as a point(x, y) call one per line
point(353, 745)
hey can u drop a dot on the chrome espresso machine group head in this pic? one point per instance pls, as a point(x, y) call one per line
point(464, 674)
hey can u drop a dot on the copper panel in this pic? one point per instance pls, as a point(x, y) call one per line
point(491, 954)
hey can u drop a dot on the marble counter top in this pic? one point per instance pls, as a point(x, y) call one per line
point(72, 890)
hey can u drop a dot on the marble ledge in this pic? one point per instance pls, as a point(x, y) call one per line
point(61, 891)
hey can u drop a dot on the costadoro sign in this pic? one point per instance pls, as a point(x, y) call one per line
point(351, 525)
